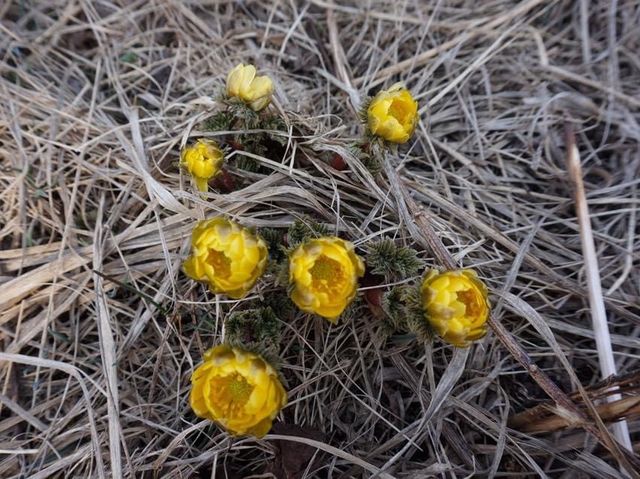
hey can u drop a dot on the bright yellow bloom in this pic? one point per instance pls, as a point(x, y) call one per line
point(238, 390)
point(255, 91)
point(456, 305)
point(202, 161)
point(227, 256)
point(324, 274)
point(393, 114)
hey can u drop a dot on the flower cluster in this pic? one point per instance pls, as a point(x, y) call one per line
point(236, 386)
point(203, 160)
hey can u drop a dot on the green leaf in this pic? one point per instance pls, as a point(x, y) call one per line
point(256, 330)
point(394, 262)
point(129, 57)
point(304, 229)
point(403, 306)
point(221, 121)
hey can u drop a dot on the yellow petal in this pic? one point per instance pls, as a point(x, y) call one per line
point(247, 76)
point(260, 103)
point(201, 183)
point(191, 268)
point(234, 80)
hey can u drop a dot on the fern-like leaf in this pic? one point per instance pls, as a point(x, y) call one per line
point(257, 330)
point(394, 262)
point(304, 229)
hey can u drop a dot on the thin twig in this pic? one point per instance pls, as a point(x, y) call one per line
point(598, 312)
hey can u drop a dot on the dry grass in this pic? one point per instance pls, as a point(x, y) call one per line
point(96, 99)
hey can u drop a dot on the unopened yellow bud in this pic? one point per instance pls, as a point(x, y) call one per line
point(253, 90)
point(393, 114)
point(203, 161)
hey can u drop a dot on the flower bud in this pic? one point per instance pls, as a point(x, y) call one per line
point(253, 90)
point(393, 114)
point(456, 305)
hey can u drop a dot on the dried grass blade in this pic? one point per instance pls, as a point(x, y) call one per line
point(596, 302)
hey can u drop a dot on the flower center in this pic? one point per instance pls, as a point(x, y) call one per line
point(220, 262)
point(326, 273)
point(470, 298)
point(399, 111)
point(239, 389)
point(230, 394)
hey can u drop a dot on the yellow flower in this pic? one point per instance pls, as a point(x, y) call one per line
point(393, 114)
point(243, 83)
point(456, 305)
point(227, 256)
point(202, 161)
point(238, 390)
point(324, 274)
